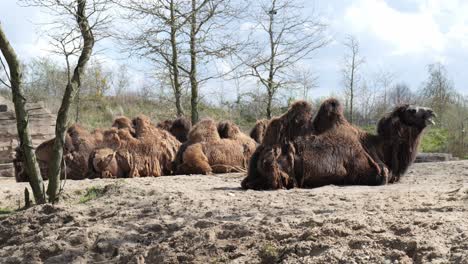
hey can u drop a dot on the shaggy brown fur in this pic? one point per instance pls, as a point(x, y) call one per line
point(333, 156)
point(340, 153)
point(398, 135)
point(179, 128)
point(223, 148)
point(229, 130)
point(149, 153)
point(275, 171)
point(292, 124)
point(123, 122)
point(220, 156)
point(264, 170)
point(258, 132)
point(203, 131)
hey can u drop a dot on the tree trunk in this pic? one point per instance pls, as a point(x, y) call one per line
point(175, 62)
point(269, 102)
point(22, 118)
point(70, 92)
point(193, 64)
point(351, 89)
point(271, 86)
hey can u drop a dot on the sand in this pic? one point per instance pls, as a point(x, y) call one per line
point(209, 219)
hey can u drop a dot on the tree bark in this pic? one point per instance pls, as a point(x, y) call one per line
point(193, 64)
point(22, 118)
point(271, 86)
point(70, 92)
point(175, 62)
point(351, 88)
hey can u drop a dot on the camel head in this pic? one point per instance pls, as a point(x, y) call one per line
point(410, 116)
point(417, 116)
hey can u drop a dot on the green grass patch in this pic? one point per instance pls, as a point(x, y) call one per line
point(92, 193)
point(5, 211)
point(435, 140)
point(268, 253)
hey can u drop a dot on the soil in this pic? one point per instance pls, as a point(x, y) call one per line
point(209, 219)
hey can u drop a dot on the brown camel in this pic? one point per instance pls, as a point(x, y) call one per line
point(398, 136)
point(220, 149)
point(149, 153)
point(341, 154)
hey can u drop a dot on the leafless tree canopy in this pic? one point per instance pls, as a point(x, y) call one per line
point(351, 65)
point(282, 36)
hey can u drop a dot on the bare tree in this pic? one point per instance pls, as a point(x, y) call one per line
point(121, 81)
point(283, 36)
point(305, 80)
point(438, 89)
point(15, 84)
point(74, 28)
point(210, 38)
point(399, 94)
point(155, 33)
point(351, 66)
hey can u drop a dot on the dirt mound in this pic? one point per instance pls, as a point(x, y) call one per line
point(209, 219)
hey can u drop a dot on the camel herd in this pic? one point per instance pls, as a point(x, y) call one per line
point(297, 149)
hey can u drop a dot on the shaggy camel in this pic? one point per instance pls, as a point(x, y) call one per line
point(149, 153)
point(78, 144)
point(217, 149)
point(203, 131)
point(263, 170)
point(338, 153)
point(398, 135)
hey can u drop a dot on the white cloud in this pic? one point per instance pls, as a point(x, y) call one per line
point(406, 32)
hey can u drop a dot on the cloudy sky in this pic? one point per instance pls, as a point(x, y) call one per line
point(399, 36)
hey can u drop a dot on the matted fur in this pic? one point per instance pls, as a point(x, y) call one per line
point(267, 166)
point(398, 136)
point(227, 150)
point(219, 156)
point(333, 156)
point(258, 131)
point(149, 153)
point(227, 129)
point(179, 128)
point(292, 124)
point(339, 153)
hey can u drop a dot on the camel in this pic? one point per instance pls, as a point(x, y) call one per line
point(339, 153)
point(149, 153)
point(215, 148)
point(398, 136)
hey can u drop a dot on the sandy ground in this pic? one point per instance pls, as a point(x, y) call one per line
point(209, 219)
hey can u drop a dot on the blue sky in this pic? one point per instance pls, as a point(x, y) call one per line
point(399, 36)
